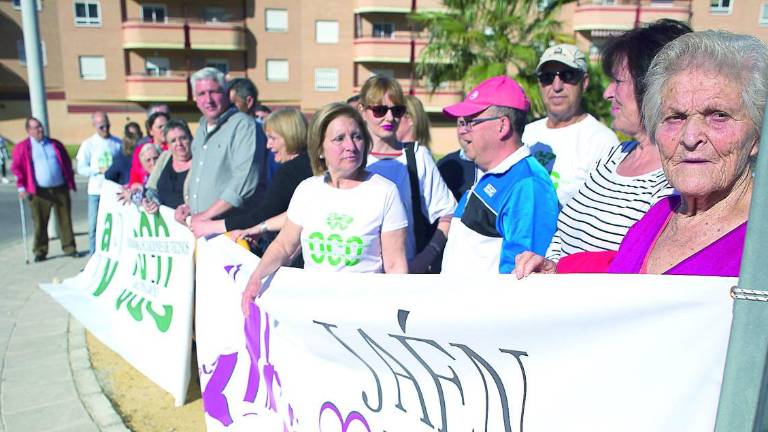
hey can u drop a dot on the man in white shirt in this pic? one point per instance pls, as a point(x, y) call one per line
point(94, 158)
point(568, 141)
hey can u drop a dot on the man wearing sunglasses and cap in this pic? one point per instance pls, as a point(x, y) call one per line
point(568, 141)
point(513, 206)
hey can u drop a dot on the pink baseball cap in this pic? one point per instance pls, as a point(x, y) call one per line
point(499, 90)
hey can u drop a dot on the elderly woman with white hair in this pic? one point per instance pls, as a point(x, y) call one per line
point(703, 108)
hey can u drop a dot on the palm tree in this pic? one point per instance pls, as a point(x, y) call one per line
point(472, 40)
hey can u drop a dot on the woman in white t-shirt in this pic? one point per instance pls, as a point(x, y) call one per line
point(383, 107)
point(345, 218)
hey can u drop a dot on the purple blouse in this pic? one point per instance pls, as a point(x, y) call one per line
point(720, 258)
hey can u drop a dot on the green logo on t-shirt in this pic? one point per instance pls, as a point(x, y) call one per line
point(332, 247)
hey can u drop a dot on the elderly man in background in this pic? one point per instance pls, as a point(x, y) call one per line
point(44, 174)
point(94, 158)
point(223, 173)
point(513, 206)
point(568, 141)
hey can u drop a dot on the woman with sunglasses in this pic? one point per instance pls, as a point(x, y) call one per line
point(628, 180)
point(382, 104)
point(345, 218)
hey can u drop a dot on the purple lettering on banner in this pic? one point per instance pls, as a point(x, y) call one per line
point(233, 270)
point(253, 345)
point(270, 374)
point(353, 416)
point(214, 401)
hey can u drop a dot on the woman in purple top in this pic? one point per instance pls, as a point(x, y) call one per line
point(704, 108)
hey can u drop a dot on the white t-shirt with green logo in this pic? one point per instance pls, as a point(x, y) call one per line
point(341, 228)
point(569, 153)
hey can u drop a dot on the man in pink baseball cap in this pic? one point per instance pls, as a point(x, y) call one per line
point(513, 207)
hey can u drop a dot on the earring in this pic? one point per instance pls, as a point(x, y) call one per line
point(321, 157)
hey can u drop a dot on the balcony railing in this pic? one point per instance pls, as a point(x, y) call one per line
point(217, 35)
point(179, 33)
point(364, 6)
point(159, 35)
point(394, 48)
point(169, 87)
point(607, 15)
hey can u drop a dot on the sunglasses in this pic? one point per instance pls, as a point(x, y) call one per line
point(568, 76)
point(381, 110)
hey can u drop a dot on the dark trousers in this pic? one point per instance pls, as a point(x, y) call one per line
point(40, 205)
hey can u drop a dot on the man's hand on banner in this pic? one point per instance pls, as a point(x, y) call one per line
point(181, 214)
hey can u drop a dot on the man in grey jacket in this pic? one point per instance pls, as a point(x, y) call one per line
point(223, 172)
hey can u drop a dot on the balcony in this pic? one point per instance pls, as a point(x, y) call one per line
point(165, 35)
point(394, 48)
point(171, 87)
point(217, 36)
point(395, 6)
point(608, 15)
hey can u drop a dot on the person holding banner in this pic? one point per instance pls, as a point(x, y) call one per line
point(345, 218)
point(286, 131)
point(628, 179)
point(167, 182)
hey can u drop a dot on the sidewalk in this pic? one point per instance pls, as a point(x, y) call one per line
point(47, 380)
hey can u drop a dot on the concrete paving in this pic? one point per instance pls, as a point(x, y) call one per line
point(46, 379)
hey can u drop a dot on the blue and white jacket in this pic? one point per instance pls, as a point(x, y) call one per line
point(513, 208)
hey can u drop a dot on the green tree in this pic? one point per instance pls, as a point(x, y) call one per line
point(472, 40)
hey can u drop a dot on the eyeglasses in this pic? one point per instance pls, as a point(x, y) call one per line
point(380, 111)
point(568, 76)
point(468, 124)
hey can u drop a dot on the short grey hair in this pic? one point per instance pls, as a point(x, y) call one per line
point(208, 73)
point(742, 57)
point(147, 147)
point(518, 118)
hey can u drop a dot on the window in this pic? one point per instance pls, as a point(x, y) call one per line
point(93, 68)
point(326, 79)
point(218, 63)
point(720, 6)
point(277, 70)
point(87, 13)
point(17, 5)
point(764, 14)
point(327, 32)
point(389, 73)
point(157, 66)
point(384, 30)
point(23, 52)
point(216, 14)
point(276, 20)
point(153, 13)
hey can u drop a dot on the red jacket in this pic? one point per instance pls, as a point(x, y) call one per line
point(25, 173)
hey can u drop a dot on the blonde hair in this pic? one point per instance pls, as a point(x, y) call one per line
point(318, 126)
point(420, 120)
point(291, 125)
point(376, 87)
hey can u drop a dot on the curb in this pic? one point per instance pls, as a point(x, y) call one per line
point(87, 385)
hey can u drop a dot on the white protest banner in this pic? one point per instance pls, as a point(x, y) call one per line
point(361, 352)
point(136, 292)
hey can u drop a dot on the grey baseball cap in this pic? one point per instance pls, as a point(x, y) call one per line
point(566, 54)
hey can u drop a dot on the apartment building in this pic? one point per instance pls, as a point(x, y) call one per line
point(593, 21)
point(122, 55)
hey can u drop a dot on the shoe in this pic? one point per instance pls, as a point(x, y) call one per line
point(39, 258)
point(74, 254)
point(5, 180)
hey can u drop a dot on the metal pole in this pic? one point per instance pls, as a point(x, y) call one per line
point(744, 391)
point(33, 51)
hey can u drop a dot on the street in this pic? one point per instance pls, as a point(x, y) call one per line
point(10, 221)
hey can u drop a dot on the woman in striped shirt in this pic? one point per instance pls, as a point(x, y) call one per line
point(628, 180)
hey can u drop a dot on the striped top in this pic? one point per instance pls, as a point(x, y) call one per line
point(598, 217)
